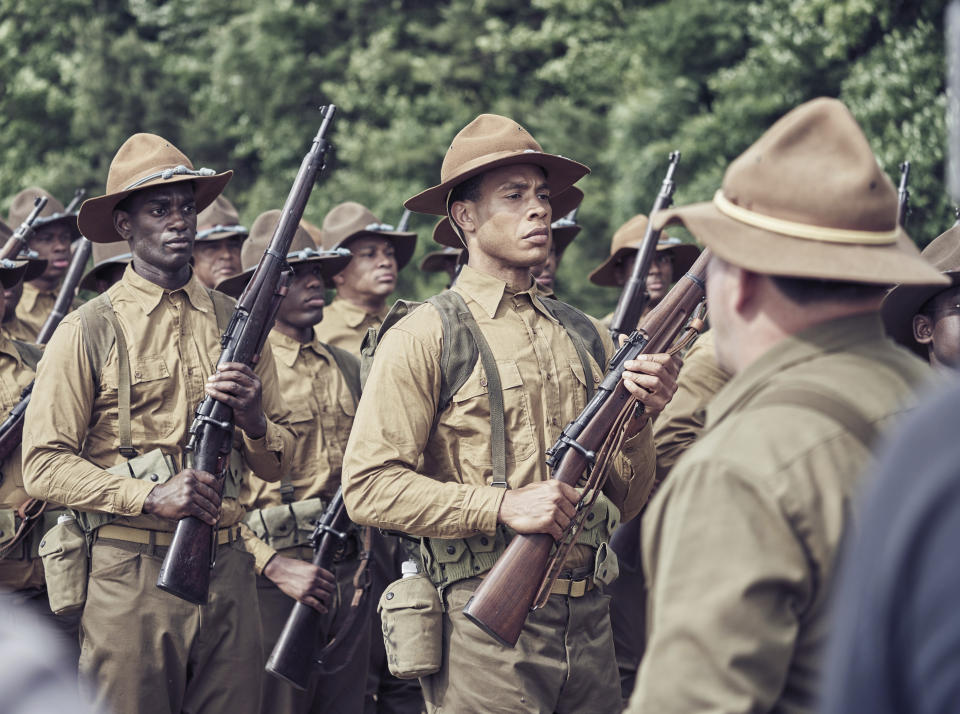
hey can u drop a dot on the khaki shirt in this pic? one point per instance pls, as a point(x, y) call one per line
point(681, 421)
point(322, 411)
point(17, 329)
point(345, 325)
point(34, 306)
point(740, 543)
point(71, 431)
point(401, 473)
point(14, 376)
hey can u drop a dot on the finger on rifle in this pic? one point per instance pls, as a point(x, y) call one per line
point(237, 367)
point(226, 397)
point(655, 364)
point(569, 492)
point(234, 376)
point(311, 601)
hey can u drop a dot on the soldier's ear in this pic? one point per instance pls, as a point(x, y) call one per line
point(462, 213)
point(121, 223)
point(922, 329)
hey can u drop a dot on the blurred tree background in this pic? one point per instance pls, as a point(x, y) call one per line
point(616, 84)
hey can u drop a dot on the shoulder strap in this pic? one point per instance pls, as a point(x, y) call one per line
point(101, 330)
point(458, 359)
point(584, 335)
point(400, 309)
point(837, 408)
point(29, 353)
point(223, 308)
point(349, 367)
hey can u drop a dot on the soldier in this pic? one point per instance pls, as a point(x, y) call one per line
point(927, 319)
point(216, 251)
point(437, 472)
point(11, 325)
point(740, 542)
point(672, 259)
point(379, 253)
point(320, 384)
point(127, 370)
point(448, 260)
point(562, 231)
point(54, 233)
point(110, 261)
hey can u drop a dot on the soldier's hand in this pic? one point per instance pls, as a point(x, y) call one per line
point(652, 379)
point(544, 507)
point(238, 386)
point(189, 493)
point(303, 581)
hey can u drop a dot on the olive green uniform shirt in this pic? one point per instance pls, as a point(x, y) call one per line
point(15, 574)
point(321, 408)
point(740, 543)
point(71, 429)
point(345, 325)
point(402, 473)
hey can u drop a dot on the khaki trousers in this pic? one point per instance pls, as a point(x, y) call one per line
point(339, 693)
point(145, 651)
point(564, 661)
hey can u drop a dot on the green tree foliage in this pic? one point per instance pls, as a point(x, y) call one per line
point(616, 84)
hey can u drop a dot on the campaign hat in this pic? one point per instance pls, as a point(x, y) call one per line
point(350, 220)
point(104, 255)
point(219, 220)
point(52, 213)
point(627, 241)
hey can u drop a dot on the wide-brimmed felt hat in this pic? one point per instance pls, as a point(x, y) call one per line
point(564, 230)
point(351, 220)
point(145, 161)
point(905, 301)
point(52, 213)
point(489, 142)
point(808, 200)
point(104, 255)
point(561, 205)
point(627, 241)
point(13, 271)
point(438, 261)
point(314, 230)
point(219, 220)
point(302, 250)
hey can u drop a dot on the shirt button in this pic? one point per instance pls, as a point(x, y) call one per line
point(483, 381)
point(548, 376)
point(596, 379)
point(451, 549)
point(154, 477)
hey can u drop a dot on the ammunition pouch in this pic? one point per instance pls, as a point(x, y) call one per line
point(449, 560)
point(28, 547)
point(66, 564)
point(288, 525)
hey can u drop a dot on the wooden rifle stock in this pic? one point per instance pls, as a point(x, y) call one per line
point(18, 241)
point(185, 571)
point(633, 300)
point(294, 656)
point(501, 604)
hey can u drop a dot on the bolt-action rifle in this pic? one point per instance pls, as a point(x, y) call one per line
point(18, 241)
point(186, 568)
point(523, 576)
point(634, 298)
point(903, 195)
point(68, 288)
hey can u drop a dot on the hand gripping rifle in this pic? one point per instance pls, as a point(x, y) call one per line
point(294, 656)
point(633, 300)
point(522, 578)
point(903, 195)
point(18, 241)
point(68, 288)
point(186, 568)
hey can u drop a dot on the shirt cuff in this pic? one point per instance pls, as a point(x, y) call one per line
point(271, 441)
point(481, 506)
point(261, 552)
point(130, 497)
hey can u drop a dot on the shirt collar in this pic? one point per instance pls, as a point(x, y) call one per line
point(831, 336)
point(354, 316)
point(149, 294)
point(489, 291)
point(286, 349)
point(30, 295)
point(8, 348)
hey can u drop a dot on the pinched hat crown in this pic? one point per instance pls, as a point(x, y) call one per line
point(350, 220)
point(486, 143)
point(144, 161)
point(627, 240)
point(808, 200)
point(52, 212)
point(219, 220)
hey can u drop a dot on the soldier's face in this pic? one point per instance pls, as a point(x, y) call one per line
point(659, 279)
point(510, 222)
point(216, 260)
point(52, 243)
point(939, 329)
point(373, 270)
point(303, 305)
point(160, 223)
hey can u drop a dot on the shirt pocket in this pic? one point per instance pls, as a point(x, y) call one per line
point(580, 393)
point(468, 419)
point(154, 404)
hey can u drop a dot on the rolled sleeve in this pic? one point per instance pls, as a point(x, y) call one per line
point(261, 552)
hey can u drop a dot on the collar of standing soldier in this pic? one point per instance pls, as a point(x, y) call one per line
point(149, 295)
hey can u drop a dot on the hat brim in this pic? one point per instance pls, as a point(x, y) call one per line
point(561, 174)
point(684, 255)
point(67, 219)
point(11, 276)
point(438, 260)
point(404, 243)
point(90, 278)
point(95, 219)
point(243, 235)
point(560, 205)
point(905, 301)
point(563, 237)
point(762, 251)
point(35, 268)
point(329, 265)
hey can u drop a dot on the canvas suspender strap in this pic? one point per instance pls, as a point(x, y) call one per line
point(840, 410)
point(579, 327)
point(349, 367)
point(29, 353)
point(223, 309)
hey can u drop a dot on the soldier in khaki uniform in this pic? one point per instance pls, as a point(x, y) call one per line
point(54, 233)
point(672, 259)
point(740, 543)
point(127, 370)
point(447, 260)
point(110, 262)
point(282, 514)
point(379, 253)
point(432, 474)
point(927, 319)
point(216, 251)
point(562, 232)
point(11, 325)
